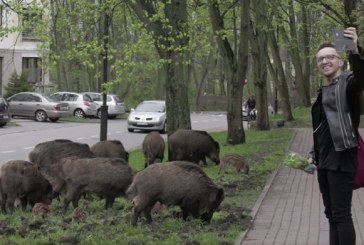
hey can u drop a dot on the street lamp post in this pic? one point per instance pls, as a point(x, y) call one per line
point(103, 108)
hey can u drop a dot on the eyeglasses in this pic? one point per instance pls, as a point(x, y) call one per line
point(329, 57)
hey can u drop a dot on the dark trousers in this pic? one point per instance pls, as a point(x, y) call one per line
point(337, 191)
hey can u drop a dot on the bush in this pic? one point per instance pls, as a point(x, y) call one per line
point(17, 84)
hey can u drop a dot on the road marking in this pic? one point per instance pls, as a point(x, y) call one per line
point(28, 148)
point(118, 132)
point(5, 152)
point(81, 138)
point(94, 136)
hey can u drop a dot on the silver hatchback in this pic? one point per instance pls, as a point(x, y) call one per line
point(149, 115)
point(81, 105)
point(38, 106)
point(115, 105)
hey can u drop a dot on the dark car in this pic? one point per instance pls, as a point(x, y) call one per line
point(4, 112)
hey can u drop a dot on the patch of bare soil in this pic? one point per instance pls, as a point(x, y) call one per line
point(234, 214)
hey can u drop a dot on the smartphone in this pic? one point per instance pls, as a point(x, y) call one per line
point(342, 43)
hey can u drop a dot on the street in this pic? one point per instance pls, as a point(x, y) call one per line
point(20, 137)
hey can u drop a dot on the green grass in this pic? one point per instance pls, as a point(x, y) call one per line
point(264, 151)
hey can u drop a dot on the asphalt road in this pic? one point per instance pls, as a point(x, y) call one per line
point(19, 137)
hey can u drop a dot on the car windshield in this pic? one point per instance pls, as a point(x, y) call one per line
point(150, 107)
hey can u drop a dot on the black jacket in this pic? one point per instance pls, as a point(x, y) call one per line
point(341, 102)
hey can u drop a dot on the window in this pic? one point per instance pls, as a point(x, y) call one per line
point(29, 20)
point(1, 14)
point(32, 66)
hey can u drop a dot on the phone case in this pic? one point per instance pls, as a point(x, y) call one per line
point(342, 43)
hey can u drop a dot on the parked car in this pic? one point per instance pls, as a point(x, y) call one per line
point(149, 115)
point(5, 116)
point(81, 105)
point(38, 106)
point(115, 105)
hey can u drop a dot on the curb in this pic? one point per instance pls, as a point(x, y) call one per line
point(261, 197)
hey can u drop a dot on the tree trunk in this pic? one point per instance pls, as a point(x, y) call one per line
point(236, 134)
point(171, 43)
point(258, 40)
point(280, 78)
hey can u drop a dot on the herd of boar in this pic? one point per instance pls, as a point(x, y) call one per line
point(74, 169)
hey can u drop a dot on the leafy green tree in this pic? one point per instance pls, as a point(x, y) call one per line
point(168, 24)
point(17, 83)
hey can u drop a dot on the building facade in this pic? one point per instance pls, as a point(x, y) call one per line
point(19, 50)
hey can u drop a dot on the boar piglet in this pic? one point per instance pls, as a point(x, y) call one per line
point(193, 146)
point(153, 148)
point(234, 160)
point(110, 148)
point(105, 177)
point(177, 183)
point(23, 180)
point(48, 153)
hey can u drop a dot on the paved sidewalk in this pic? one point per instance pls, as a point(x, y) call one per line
point(291, 209)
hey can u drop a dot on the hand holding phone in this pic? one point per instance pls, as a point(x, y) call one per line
point(342, 43)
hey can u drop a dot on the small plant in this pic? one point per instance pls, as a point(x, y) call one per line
point(17, 84)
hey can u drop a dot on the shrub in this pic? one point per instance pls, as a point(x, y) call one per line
point(17, 84)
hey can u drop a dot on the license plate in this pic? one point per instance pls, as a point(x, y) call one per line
point(142, 124)
point(5, 116)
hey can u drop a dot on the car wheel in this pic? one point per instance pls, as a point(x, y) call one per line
point(2, 124)
point(54, 119)
point(79, 113)
point(130, 130)
point(41, 116)
point(98, 114)
point(164, 130)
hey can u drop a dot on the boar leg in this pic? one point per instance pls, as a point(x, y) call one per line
point(24, 202)
point(73, 194)
point(134, 218)
point(139, 206)
point(3, 203)
point(109, 201)
point(189, 206)
point(10, 202)
point(148, 213)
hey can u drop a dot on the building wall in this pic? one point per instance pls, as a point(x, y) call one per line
point(13, 49)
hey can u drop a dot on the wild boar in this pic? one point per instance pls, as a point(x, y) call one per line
point(23, 180)
point(178, 183)
point(153, 148)
point(51, 152)
point(42, 210)
point(193, 146)
point(234, 160)
point(110, 148)
point(104, 176)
